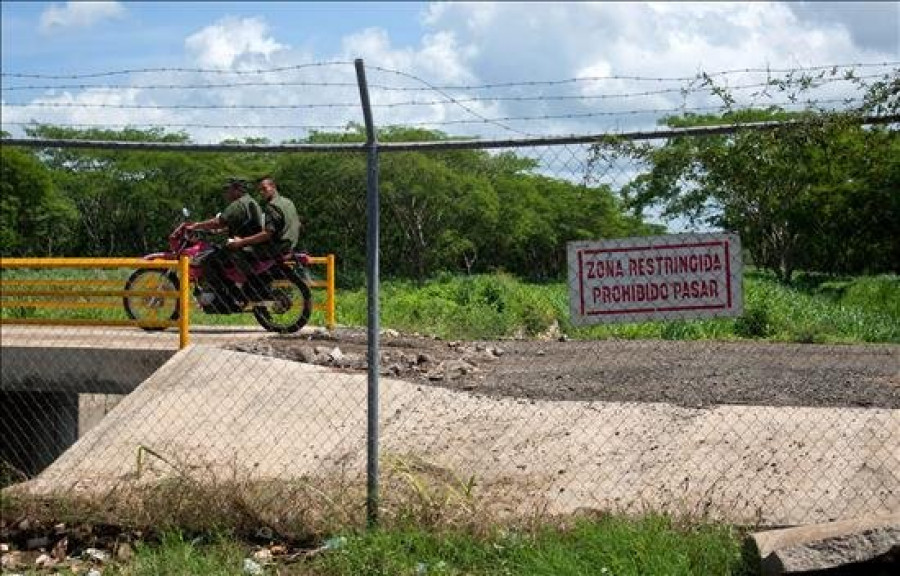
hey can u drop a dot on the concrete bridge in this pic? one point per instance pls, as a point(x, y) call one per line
point(57, 382)
point(60, 375)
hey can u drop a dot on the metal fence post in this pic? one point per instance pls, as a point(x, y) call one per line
point(374, 363)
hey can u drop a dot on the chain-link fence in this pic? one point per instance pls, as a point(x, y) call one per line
point(732, 385)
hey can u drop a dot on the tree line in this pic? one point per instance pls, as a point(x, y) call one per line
point(466, 211)
point(820, 193)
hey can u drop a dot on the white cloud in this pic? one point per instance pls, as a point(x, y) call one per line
point(232, 41)
point(475, 43)
point(519, 40)
point(527, 41)
point(78, 14)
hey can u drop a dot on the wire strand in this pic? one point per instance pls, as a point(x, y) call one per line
point(463, 106)
point(189, 125)
point(551, 97)
point(128, 71)
point(180, 106)
point(614, 77)
point(297, 67)
point(571, 116)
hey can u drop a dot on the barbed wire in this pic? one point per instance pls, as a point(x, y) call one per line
point(616, 77)
point(297, 67)
point(422, 124)
point(410, 103)
point(440, 91)
point(540, 97)
point(699, 84)
point(88, 105)
point(808, 102)
point(188, 125)
point(158, 70)
point(207, 86)
point(659, 111)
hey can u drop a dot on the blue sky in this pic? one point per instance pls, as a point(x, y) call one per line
point(153, 33)
point(445, 43)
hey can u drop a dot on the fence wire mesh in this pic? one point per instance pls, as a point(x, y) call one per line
point(493, 398)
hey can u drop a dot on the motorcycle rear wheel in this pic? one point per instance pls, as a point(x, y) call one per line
point(144, 308)
point(292, 305)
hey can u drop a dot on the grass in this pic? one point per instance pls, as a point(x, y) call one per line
point(176, 554)
point(608, 545)
point(653, 545)
point(432, 522)
point(495, 306)
point(815, 309)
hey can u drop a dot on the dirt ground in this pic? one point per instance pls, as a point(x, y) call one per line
point(689, 374)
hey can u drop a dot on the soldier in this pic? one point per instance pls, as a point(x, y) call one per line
point(241, 218)
point(281, 225)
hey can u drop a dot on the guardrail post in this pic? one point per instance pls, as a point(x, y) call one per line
point(184, 304)
point(330, 300)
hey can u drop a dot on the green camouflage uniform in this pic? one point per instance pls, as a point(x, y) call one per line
point(282, 221)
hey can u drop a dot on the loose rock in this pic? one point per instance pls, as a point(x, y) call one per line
point(392, 370)
point(11, 560)
point(454, 369)
point(124, 552)
point(353, 361)
point(490, 355)
point(306, 354)
point(552, 333)
point(263, 556)
point(827, 546)
point(252, 568)
point(95, 555)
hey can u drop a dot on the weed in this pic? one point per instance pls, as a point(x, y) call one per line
point(754, 323)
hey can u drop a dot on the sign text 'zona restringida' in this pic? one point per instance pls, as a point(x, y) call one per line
point(655, 278)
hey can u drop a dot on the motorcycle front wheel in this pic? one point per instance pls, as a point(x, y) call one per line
point(145, 305)
point(289, 305)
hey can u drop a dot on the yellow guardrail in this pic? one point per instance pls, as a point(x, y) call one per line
point(330, 304)
point(56, 291)
point(182, 294)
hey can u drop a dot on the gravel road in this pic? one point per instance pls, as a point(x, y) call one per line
point(690, 374)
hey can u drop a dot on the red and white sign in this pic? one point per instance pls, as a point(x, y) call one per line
point(655, 278)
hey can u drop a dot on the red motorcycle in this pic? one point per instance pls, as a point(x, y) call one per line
point(277, 292)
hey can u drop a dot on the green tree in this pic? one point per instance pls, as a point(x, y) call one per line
point(34, 218)
point(807, 194)
point(451, 210)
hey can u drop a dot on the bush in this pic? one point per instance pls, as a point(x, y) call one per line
point(493, 306)
point(755, 323)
